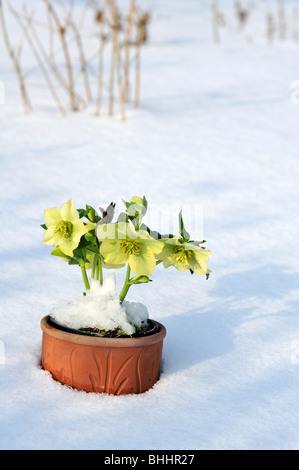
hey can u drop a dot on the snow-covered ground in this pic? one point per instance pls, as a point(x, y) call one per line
point(216, 128)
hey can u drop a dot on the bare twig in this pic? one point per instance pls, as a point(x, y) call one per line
point(48, 59)
point(82, 59)
point(142, 22)
point(138, 65)
point(51, 36)
point(295, 16)
point(116, 29)
point(113, 25)
point(100, 18)
point(39, 60)
point(242, 14)
point(25, 99)
point(62, 31)
point(70, 23)
point(282, 19)
point(64, 36)
point(21, 43)
point(127, 61)
point(215, 21)
point(270, 28)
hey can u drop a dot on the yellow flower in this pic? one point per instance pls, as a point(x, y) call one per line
point(64, 227)
point(121, 243)
point(184, 256)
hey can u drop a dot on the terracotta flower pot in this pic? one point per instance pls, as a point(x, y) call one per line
point(103, 365)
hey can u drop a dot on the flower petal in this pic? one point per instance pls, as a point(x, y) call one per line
point(144, 262)
point(112, 253)
point(155, 245)
point(52, 216)
point(204, 253)
point(165, 253)
point(172, 241)
point(67, 246)
point(181, 267)
point(167, 263)
point(69, 212)
point(113, 266)
point(90, 226)
point(51, 237)
point(198, 261)
point(78, 230)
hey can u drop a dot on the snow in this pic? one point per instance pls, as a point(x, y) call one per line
point(137, 313)
point(100, 308)
point(216, 127)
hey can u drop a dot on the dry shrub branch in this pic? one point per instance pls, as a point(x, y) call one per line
point(85, 56)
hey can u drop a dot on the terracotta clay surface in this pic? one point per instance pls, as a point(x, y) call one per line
point(102, 365)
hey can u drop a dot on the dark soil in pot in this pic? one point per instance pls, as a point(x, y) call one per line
point(152, 328)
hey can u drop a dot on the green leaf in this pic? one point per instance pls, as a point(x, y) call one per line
point(182, 229)
point(90, 237)
point(134, 219)
point(57, 252)
point(138, 328)
point(83, 243)
point(93, 248)
point(154, 234)
point(80, 254)
point(82, 213)
point(139, 280)
point(140, 203)
point(91, 214)
point(136, 207)
point(194, 242)
point(44, 226)
point(127, 204)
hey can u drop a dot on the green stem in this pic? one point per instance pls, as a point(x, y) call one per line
point(94, 265)
point(85, 278)
point(126, 287)
point(100, 270)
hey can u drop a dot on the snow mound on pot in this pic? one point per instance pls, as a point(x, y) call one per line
point(100, 308)
point(137, 313)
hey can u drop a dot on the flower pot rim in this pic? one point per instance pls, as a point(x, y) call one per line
point(153, 328)
point(102, 341)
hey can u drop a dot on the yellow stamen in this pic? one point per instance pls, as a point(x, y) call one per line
point(181, 257)
point(64, 228)
point(130, 248)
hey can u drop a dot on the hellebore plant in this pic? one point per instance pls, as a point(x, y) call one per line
point(83, 237)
